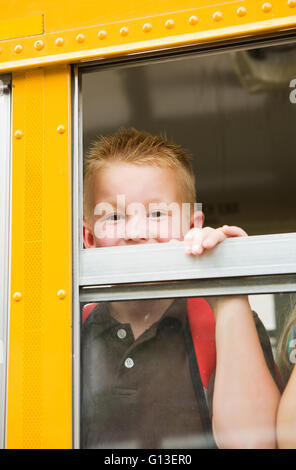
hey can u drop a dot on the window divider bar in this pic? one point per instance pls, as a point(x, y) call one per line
point(190, 288)
point(235, 257)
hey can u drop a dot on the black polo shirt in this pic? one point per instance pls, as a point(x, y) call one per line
point(140, 393)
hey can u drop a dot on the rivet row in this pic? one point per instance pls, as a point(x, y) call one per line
point(17, 296)
point(217, 16)
point(19, 134)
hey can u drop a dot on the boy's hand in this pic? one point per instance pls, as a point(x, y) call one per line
point(199, 239)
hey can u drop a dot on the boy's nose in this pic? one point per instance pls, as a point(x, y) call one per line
point(136, 230)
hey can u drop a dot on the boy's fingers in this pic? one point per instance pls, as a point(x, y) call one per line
point(197, 240)
point(190, 235)
point(221, 233)
point(192, 240)
point(233, 231)
point(188, 239)
point(204, 236)
point(213, 238)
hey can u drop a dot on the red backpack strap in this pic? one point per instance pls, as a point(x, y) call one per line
point(86, 311)
point(202, 325)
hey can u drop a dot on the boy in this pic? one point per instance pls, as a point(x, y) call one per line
point(138, 387)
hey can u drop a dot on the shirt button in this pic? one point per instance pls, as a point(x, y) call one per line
point(129, 363)
point(121, 333)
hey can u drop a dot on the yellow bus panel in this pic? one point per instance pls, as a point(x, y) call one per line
point(40, 341)
point(21, 27)
point(75, 31)
point(38, 43)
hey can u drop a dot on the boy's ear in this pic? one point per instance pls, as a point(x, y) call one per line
point(88, 237)
point(197, 219)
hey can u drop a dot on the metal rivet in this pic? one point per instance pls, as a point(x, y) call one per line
point(193, 20)
point(217, 16)
point(17, 296)
point(124, 31)
point(169, 24)
point(241, 11)
point(266, 7)
point(291, 3)
point(61, 129)
point(39, 45)
point(80, 38)
point(18, 48)
point(18, 134)
point(147, 27)
point(59, 42)
point(61, 294)
point(102, 34)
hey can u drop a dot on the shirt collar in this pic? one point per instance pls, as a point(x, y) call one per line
point(103, 320)
point(177, 310)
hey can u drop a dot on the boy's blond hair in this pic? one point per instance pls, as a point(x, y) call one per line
point(138, 148)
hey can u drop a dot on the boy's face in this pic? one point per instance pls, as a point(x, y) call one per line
point(135, 204)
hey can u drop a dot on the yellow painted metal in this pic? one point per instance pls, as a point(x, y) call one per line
point(81, 30)
point(40, 350)
point(21, 27)
point(39, 413)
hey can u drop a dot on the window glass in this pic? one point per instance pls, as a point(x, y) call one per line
point(234, 112)
point(141, 386)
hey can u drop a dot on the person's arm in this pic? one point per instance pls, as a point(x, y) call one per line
point(286, 417)
point(245, 397)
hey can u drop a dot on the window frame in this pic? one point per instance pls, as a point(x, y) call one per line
point(5, 221)
point(245, 259)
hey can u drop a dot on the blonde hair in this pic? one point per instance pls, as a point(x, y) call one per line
point(138, 148)
point(283, 357)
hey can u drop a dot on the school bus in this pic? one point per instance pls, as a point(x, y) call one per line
point(216, 75)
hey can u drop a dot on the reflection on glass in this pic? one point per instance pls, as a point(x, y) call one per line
point(234, 112)
point(149, 369)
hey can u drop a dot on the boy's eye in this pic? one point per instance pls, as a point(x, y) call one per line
point(114, 217)
point(157, 214)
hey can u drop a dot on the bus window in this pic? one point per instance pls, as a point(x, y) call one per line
point(4, 241)
point(233, 112)
point(126, 308)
